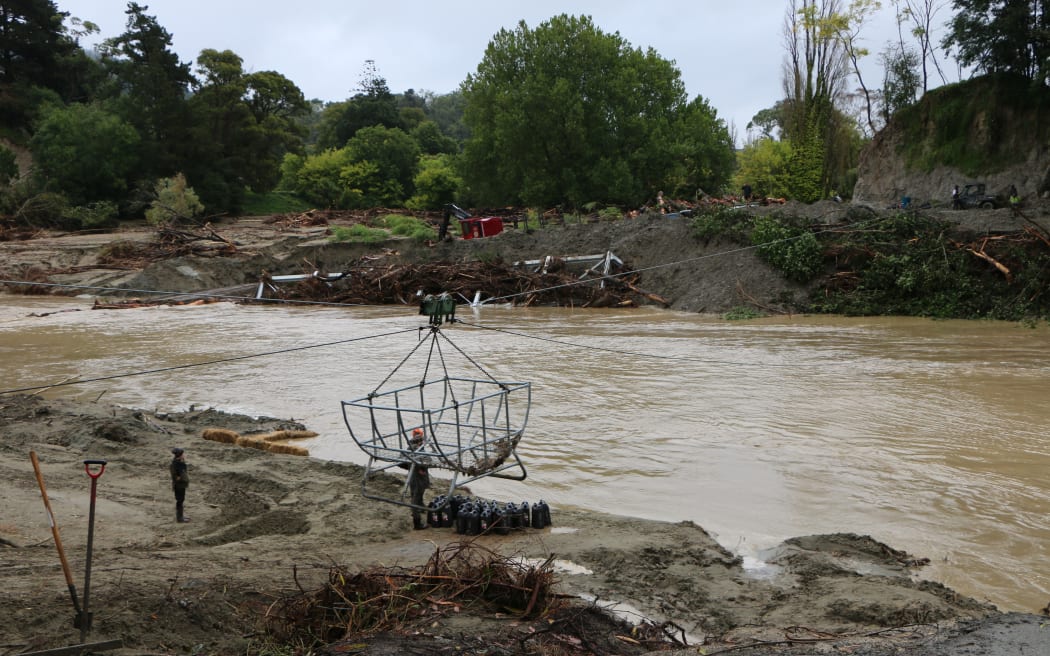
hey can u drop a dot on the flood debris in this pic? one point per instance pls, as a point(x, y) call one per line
point(367, 608)
point(404, 284)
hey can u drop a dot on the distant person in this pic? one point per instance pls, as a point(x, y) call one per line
point(1015, 199)
point(180, 480)
point(956, 202)
point(747, 193)
point(660, 202)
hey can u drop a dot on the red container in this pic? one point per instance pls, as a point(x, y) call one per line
point(477, 227)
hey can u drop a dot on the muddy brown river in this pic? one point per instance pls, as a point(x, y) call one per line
point(927, 435)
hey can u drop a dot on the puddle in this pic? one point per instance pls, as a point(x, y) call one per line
point(631, 614)
point(759, 569)
point(563, 566)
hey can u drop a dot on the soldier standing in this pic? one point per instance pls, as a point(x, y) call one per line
point(180, 480)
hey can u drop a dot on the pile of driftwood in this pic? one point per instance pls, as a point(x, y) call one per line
point(402, 609)
point(391, 598)
point(404, 284)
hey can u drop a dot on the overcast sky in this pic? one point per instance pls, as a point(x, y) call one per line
point(729, 51)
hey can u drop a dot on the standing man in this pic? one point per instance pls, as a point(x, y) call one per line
point(419, 480)
point(180, 480)
point(956, 204)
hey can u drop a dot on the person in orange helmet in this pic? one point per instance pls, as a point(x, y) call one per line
point(418, 481)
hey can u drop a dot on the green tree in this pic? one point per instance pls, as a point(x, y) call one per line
point(821, 42)
point(447, 111)
point(706, 148)
point(1002, 36)
point(431, 141)
point(85, 152)
point(35, 51)
point(243, 125)
point(764, 165)
point(317, 178)
point(149, 88)
point(396, 156)
point(901, 81)
point(566, 114)
point(372, 105)
point(436, 184)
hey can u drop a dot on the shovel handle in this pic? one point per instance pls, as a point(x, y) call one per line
point(101, 465)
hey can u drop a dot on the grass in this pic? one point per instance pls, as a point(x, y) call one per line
point(358, 233)
point(275, 202)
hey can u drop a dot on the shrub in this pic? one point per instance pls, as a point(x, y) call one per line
point(794, 251)
point(723, 222)
point(176, 201)
point(94, 215)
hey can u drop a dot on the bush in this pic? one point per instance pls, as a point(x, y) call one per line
point(794, 251)
point(46, 209)
point(94, 215)
point(175, 202)
point(723, 222)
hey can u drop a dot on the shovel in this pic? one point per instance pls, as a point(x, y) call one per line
point(85, 617)
point(58, 540)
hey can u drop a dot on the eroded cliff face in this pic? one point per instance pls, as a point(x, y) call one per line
point(884, 176)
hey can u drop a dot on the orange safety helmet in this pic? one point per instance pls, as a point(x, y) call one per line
point(417, 432)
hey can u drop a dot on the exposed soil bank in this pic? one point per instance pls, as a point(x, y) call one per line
point(263, 524)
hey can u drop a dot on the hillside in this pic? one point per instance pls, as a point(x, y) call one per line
point(990, 130)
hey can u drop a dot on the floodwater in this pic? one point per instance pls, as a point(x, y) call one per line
point(927, 435)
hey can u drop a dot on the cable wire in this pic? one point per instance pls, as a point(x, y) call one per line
point(639, 353)
point(200, 364)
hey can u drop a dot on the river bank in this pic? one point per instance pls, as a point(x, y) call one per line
point(263, 525)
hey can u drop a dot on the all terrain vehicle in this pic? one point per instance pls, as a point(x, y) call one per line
point(973, 196)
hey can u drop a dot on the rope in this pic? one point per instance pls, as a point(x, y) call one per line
point(639, 353)
point(197, 364)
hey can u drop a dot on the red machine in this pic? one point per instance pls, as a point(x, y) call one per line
point(476, 227)
point(473, 227)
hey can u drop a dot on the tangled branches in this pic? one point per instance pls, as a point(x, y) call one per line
point(391, 598)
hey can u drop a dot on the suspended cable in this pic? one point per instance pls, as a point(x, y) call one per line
point(604, 349)
point(200, 364)
point(157, 292)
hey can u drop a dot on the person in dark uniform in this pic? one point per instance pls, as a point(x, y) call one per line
point(418, 481)
point(180, 480)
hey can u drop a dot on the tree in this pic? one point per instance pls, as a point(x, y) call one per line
point(847, 28)
point(763, 164)
point(431, 141)
point(566, 114)
point(1003, 36)
point(436, 184)
point(922, 15)
point(395, 155)
point(34, 52)
point(150, 90)
point(243, 125)
point(901, 81)
point(85, 152)
point(707, 149)
point(814, 79)
point(447, 111)
point(372, 105)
